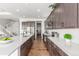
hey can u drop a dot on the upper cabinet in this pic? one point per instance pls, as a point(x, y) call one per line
point(70, 15)
point(78, 14)
point(64, 16)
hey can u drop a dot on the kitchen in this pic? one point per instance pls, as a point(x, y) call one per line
point(39, 29)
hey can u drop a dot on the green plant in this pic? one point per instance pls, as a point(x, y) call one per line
point(53, 5)
point(68, 36)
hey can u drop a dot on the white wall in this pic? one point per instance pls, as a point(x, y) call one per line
point(1, 30)
point(74, 32)
point(14, 28)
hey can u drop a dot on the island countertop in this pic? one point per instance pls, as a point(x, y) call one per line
point(72, 50)
point(8, 49)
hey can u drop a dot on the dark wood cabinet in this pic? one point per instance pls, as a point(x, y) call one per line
point(66, 15)
point(70, 15)
point(48, 46)
point(78, 14)
point(53, 49)
point(25, 48)
point(61, 53)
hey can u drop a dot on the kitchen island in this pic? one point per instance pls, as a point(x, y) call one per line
point(60, 48)
point(10, 48)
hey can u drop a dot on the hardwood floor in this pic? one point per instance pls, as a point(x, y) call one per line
point(38, 48)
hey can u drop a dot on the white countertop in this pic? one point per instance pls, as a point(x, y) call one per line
point(72, 50)
point(8, 49)
point(24, 39)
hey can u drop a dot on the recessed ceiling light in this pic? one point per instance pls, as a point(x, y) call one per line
point(38, 10)
point(18, 10)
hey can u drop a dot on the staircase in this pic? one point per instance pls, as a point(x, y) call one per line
point(3, 30)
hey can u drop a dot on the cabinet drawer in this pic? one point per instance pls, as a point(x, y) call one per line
point(23, 51)
point(23, 46)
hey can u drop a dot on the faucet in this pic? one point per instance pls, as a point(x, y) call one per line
point(55, 34)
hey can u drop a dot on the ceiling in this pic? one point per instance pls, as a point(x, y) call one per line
point(14, 11)
point(26, 10)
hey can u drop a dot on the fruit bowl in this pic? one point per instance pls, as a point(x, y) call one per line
point(6, 40)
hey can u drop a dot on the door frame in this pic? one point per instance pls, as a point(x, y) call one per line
point(36, 28)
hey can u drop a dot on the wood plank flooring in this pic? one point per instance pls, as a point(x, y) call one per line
point(38, 48)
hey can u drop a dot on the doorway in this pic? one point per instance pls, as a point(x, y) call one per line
point(38, 29)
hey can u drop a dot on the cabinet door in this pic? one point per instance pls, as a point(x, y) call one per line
point(49, 47)
point(62, 53)
point(78, 15)
point(54, 50)
point(70, 13)
point(47, 44)
point(25, 48)
point(66, 15)
point(57, 19)
point(61, 16)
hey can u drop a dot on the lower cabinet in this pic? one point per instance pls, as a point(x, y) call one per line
point(48, 45)
point(25, 48)
point(53, 49)
point(62, 53)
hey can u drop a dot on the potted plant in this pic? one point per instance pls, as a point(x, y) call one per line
point(68, 38)
point(53, 6)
